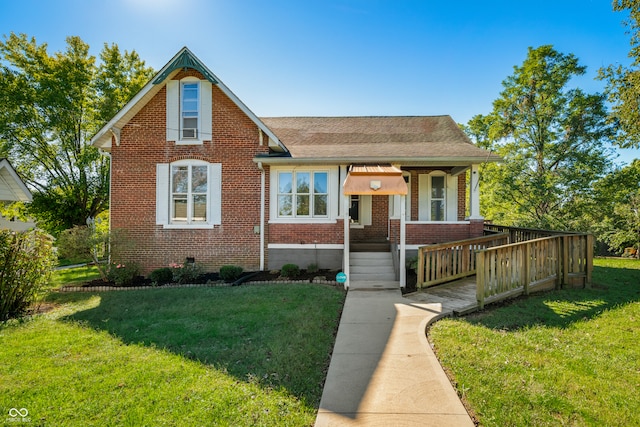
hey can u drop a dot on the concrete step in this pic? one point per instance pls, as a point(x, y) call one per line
point(371, 266)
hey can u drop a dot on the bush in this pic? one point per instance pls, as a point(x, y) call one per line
point(289, 270)
point(161, 276)
point(27, 259)
point(230, 273)
point(187, 272)
point(312, 268)
point(123, 274)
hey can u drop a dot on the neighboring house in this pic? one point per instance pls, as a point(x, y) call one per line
point(12, 189)
point(196, 174)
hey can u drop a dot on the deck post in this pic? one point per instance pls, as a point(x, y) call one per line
point(403, 237)
point(480, 278)
point(345, 260)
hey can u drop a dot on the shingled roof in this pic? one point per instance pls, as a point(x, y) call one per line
point(398, 138)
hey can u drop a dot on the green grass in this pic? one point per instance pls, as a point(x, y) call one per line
point(569, 357)
point(71, 276)
point(248, 355)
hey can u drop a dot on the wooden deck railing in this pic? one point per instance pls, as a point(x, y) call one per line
point(519, 234)
point(540, 263)
point(453, 260)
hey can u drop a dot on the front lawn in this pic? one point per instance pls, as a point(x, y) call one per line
point(569, 357)
point(248, 355)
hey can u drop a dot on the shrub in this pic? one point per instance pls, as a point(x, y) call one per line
point(161, 276)
point(123, 274)
point(27, 259)
point(187, 272)
point(229, 273)
point(312, 268)
point(289, 270)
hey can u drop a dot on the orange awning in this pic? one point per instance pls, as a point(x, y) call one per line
point(375, 180)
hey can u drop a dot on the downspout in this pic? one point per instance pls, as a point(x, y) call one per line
point(262, 212)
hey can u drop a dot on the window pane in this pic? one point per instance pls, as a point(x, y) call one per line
point(199, 179)
point(354, 210)
point(320, 182)
point(302, 182)
point(320, 205)
point(199, 208)
point(284, 182)
point(437, 210)
point(302, 205)
point(437, 187)
point(180, 208)
point(284, 205)
point(180, 176)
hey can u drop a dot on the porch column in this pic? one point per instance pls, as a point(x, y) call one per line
point(403, 221)
point(474, 194)
point(345, 260)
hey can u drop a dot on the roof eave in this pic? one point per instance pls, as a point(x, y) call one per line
point(431, 161)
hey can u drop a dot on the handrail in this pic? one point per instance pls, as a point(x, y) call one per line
point(449, 261)
point(520, 234)
point(519, 267)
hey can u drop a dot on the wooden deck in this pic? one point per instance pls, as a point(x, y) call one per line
point(456, 298)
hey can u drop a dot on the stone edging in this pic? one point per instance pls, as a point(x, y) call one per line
point(201, 285)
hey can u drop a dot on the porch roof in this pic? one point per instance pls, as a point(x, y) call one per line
point(377, 139)
point(375, 180)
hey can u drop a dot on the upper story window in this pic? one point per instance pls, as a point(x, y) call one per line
point(190, 110)
point(303, 194)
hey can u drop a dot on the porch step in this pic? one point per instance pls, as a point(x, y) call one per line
point(371, 266)
point(370, 247)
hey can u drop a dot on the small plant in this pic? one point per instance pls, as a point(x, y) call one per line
point(230, 273)
point(161, 276)
point(312, 268)
point(412, 263)
point(290, 270)
point(122, 274)
point(187, 272)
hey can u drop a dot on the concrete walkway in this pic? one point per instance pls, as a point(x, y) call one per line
point(383, 371)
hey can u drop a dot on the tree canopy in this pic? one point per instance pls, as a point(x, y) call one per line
point(552, 138)
point(623, 83)
point(50, 106)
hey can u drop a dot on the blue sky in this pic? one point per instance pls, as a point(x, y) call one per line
point(342, 57)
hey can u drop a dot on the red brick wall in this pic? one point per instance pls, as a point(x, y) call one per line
point(234, 143)
point(431, 233)
point(462, 200)
point(305, 234)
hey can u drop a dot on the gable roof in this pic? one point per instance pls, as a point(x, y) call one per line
point(11, 186)
point(434, 139)
point(184, 58)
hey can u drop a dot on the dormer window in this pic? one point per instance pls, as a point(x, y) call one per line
point(190, 110)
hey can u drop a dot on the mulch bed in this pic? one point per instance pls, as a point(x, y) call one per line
point(213, 279)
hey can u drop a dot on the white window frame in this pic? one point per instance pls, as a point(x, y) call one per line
point(184, 111)
point(332, 195)
point(190, 194)
point(165, 214)
point(174, 113)
point(450, 197)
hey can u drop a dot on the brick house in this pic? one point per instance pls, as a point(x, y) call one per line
point(196, 174)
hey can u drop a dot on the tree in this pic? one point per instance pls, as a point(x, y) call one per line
point(623, 83)
point(552, 139)
point(50, 105)
point(617, 217)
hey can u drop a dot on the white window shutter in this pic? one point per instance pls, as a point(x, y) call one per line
point(215, 193)
point(452, 198)
point(162, 193)
point(173, 110)
point(365, 210)
point(205, 111)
